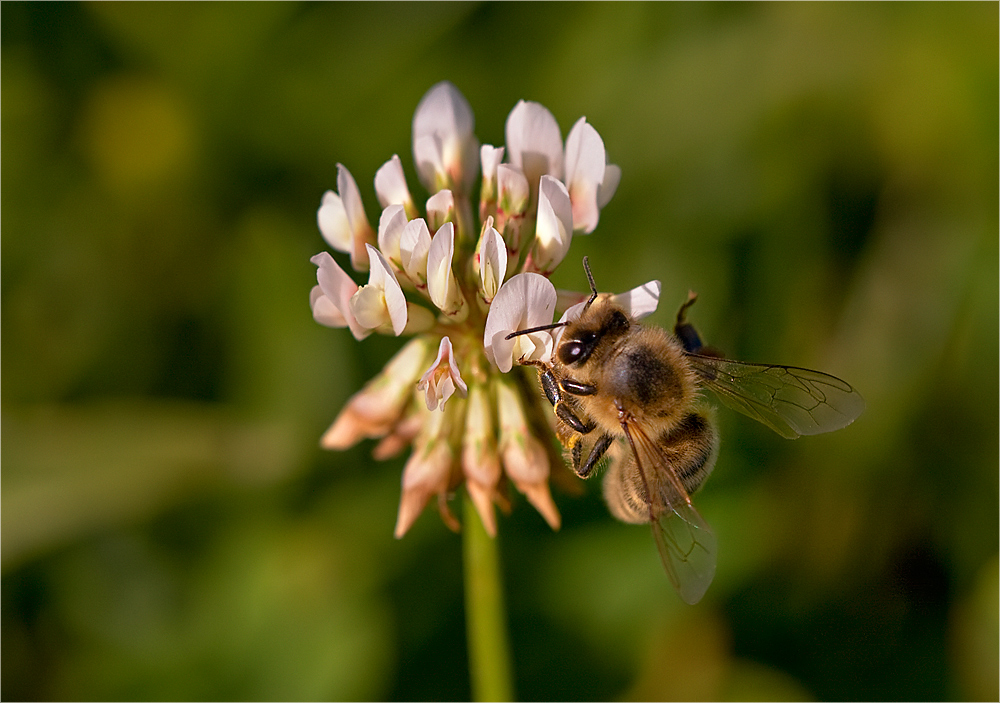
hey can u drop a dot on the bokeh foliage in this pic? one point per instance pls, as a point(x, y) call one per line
point(825, 176)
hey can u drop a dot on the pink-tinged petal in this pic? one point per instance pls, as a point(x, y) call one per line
point(401, 436)
point(512, 204)
point(445, 148)
point(382, 276)
point(554, 227)
point(433, 467)
point(524, 458)
point(414, 243)
point(390, 186)
point(442, 286)
point(585, 165)
point(440, 209)
point(362, 233)
point(338, 288)
point(480, 459)
point(377, 408)
point(390, 229)
point(534, 142)
point(323, 309)
point(492, 263)
point(526, 300)
point(442, 379)
point(612, 177)
point(333, 223)
point(641, 301)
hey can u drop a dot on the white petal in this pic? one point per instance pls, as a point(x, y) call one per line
point(361, 231)
point(351, 197)
point(492, 263)
point(526, 300)
point(445, 148)
point(612, 177)
point(440, 279)
point(390, 184)
point(489, 158)
point(390, 229)
point(585, 164)
point(440, 208)
point(323, 309)
point(414, 243)
point(369, 308)
point(429, 159)
point(639, 302)
point(333, 222)
point(338, 288)
point(513, 191)
point(534, 142)
point(383, 277)
point(554, 227)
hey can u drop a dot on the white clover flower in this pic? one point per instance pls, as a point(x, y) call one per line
point(490, 158)
point(390, 186)
point(343, 222)
point(390, 230)
point(554, 227)
point(445, 148)
point(440, 209)
point(336, 289)
point(414, 243)
point(534, 142)
point(470, 284)
point(591, 181)
point(526, 300)
point(381, 303)
point(442, 285)
point(492, 263)
point(442, 379)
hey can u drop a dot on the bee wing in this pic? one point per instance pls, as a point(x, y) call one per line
point(790, 400)
point(684, 540)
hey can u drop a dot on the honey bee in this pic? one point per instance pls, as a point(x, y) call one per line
point(629, 396)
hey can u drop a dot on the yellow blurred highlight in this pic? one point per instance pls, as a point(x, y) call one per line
point(975, 637)
point(137, 134)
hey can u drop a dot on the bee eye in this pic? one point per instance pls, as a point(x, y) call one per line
point(570, 352)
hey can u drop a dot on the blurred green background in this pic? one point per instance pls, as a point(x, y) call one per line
point(825, 176)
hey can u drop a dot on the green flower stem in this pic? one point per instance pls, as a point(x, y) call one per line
point(485, 617)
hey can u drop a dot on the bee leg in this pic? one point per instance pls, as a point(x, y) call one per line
point(570, 418)
point(550, 386)
point(596, 454)
point(576, 388)
point(684, 330)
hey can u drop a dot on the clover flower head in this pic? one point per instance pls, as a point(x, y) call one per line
point(460, 287)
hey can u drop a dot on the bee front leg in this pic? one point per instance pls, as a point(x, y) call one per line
point(596, 453)
point(550, 386)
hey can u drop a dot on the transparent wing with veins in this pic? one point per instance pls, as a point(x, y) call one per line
point(790, 400)
point(684, 540)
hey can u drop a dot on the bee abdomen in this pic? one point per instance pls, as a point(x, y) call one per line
point(689, 450)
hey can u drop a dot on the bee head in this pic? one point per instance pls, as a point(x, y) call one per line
point(597, 325)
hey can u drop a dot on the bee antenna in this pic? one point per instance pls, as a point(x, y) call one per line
point(542, 328)
point(590, 280)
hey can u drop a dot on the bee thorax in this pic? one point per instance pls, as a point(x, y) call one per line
point(648, 385)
